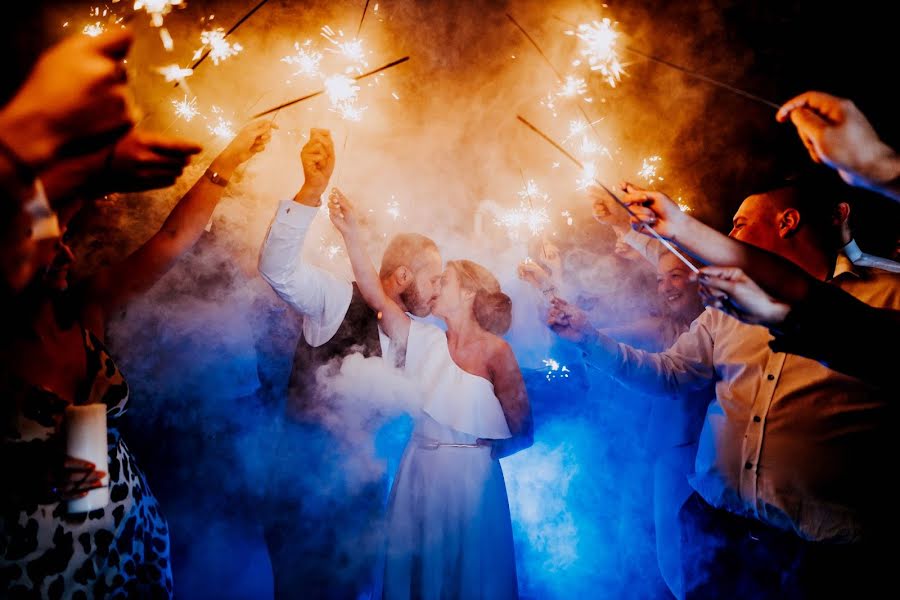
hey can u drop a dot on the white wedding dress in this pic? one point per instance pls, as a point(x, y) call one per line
point(449, 534)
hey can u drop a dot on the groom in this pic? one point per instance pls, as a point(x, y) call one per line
point(324, 547)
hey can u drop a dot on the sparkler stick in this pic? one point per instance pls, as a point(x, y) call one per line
point(229, 32)
point(550, 64)
point(577, 162)
point(691, 73)
point(362, 18)
point(322, 91)
point(702, 77)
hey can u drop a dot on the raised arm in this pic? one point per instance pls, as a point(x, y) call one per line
point(114, 286)
point(780, 277)
point(393, 320)
point(837, 133)
point(510, 389)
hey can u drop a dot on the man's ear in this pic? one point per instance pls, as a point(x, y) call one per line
point(788, 222)
point(403, 276)
point(841, 213)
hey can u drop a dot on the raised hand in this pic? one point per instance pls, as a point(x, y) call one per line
point(835, 132)
point(654, 209)
point(568, 321)
point(606, 209)
point(317, 157)
point(250, 140)
point(75, 100)
point(532, 273)
point(343, 215)
point(730, 290)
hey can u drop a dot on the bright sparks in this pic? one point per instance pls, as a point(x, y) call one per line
point(219, 48)
point(587, 178)
point(393, 209)
point(157, 9)
point(599, 48)
point(186, 109)
point(221, 128)
point(352, 50)
point(306, 58)
point(648, 169)
point(572, 87)
point(93, 29)
point(174, 73)
point(555, 370)
point(340, 88)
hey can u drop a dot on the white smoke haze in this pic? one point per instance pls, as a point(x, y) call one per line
point(438, 151)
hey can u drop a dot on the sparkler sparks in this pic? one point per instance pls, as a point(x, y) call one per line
point(307, 59)
point(174, 73)
point(186, 109)
point(599, 48)
point(555, 370)
point(572, 86)
point(157, 9)
point(93, 29)
point(219, 48)
point(352, 50)
point(393, 208)
point(221, 128)
point(648, 169)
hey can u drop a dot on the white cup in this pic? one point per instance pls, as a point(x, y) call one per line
point(86, 440)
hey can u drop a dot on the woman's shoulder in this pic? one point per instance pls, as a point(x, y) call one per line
point(498, 351)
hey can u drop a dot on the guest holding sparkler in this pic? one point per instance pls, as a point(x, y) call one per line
point(53, 357)
point(788, 501)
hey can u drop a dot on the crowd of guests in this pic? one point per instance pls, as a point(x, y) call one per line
point(772, 416)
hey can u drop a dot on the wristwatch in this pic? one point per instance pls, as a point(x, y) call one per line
point(215, 178)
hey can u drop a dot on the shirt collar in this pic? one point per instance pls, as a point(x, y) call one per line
point(846, 258)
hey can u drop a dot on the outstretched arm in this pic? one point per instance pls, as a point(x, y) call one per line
point(394, 322)
point(778, 276)
point(837, 133)
point(116, 285)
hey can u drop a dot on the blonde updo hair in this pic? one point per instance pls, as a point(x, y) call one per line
point(492, 308)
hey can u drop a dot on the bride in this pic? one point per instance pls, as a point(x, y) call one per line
point(449, 534)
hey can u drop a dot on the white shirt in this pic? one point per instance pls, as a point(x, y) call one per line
point(318, 295)
point(861, 259)
point(786, 440)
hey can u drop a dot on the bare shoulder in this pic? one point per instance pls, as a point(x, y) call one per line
point(500, 353)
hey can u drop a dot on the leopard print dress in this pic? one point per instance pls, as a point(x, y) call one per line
point(119, 551)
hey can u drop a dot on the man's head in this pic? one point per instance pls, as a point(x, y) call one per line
point(411, 270)
point(676, 289)
point(790, 218)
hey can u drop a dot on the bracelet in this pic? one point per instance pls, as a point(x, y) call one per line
point(23, 170)
point(215, 178)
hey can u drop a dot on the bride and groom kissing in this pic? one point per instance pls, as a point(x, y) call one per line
point(447, 530)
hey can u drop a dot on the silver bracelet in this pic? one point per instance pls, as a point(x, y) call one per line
point(215, 178)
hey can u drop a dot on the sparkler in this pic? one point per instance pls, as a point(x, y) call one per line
point(175, 73)
point(219, 48)
point(648, 169)
point(599, 48)
point(306, 58)
point(93, 29)
point(240, 22)
point(186, 109)
point(578, 163)
point(221, 128)
point(555, 369)
point(157, 9)
point(322, 91)
point(350, 49)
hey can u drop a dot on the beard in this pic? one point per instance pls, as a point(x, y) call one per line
point(412, 299)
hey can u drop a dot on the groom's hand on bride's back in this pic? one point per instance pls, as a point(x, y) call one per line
point(317, 158)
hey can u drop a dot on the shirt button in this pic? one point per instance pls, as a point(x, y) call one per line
point(770, 377)
point(748, 465)
point(756, 419)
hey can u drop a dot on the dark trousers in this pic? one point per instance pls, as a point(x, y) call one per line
point(731, 557)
